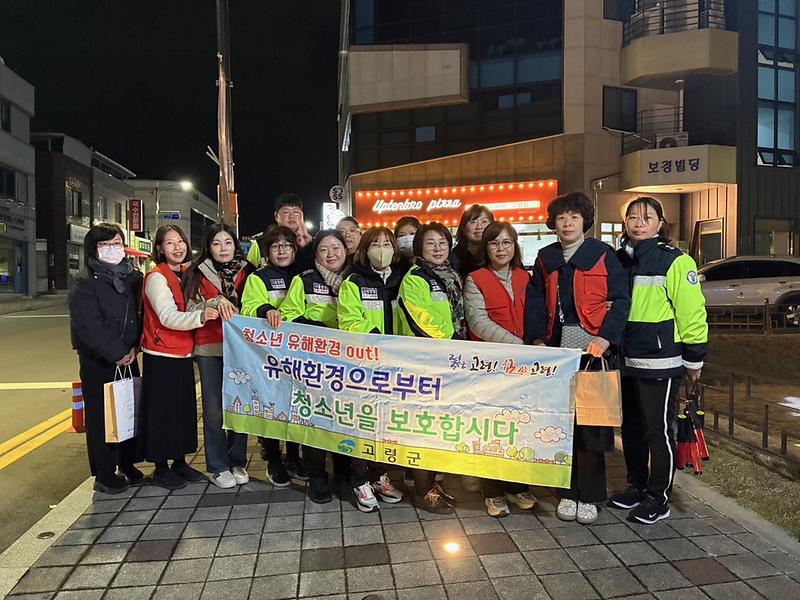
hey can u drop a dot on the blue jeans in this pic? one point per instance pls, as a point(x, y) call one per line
point(224, 449)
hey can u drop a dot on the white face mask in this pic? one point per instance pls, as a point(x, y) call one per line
point(406, 243)
point(112, 255)
point(380, 258)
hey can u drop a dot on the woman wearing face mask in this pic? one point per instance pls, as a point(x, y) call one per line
point(216, 280)
point(432, 306)
point(494, 304)
point(351, 231)
point(665, 339)
point(312, 299)
point(105, 324)
point(168, 410)
point(404, 231)
point(574, 281)
point(468, 239)
point(263, 295)
point(368, 304)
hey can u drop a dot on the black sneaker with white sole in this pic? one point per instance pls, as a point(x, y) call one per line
point(649, 511)
point(631, 497)
point(277, 475)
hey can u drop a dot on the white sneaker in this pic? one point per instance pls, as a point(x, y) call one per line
point(587, 513)
point(524, 500)
point(240, 475)
point(386, 491)
point(365, 498)
point(471, 484)
point(497, 507)
point(567, 510)
point(223, 480)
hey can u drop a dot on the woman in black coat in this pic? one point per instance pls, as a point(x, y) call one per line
point(106, 324)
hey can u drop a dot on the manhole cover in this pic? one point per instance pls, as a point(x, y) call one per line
point(46, 535)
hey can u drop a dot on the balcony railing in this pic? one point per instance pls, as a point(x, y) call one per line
point(672, 16)
point(666, 127)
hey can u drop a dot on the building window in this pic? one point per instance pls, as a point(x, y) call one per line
point(619, 108)
point(5, 115)
point(610, 233)
point(425, 134)
point(8, 187)
point(77, 203)
point(102, 208)
point(777, 82)
point(618, 10)
point(118, 212)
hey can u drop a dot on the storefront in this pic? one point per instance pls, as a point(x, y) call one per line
point(523, 204)
point(139, 251)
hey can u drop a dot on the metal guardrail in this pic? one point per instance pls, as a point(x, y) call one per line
point(764, 319)
point(653, 125)
point(737, 407)
point(673, 16)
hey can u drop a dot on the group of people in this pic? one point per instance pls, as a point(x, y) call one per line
point(640, 308)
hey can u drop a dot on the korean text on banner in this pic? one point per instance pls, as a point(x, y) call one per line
point(499, 411)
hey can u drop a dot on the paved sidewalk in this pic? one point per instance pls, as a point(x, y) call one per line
point(15, 303)
point(264, 543)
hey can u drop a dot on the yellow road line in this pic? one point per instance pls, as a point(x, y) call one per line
point(33, 443)
point(23, 437)
point(38, 385)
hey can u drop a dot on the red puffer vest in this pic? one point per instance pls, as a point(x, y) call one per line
point(211, 332)
point(590, 291)
point(155, 336)
point(507, 313)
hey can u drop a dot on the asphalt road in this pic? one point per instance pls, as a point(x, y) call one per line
point(35, 347)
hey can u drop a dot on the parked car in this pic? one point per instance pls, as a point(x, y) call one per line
point(744, 282)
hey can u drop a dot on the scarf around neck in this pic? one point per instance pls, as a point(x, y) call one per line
point(332, 280)
point(116, 273)
point(227, 276)
point(453, 289)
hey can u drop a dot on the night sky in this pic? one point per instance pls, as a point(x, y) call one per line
point(135, 79)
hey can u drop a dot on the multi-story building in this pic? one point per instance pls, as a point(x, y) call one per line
point(177, 202)
point(691, 101)
point(17, 185)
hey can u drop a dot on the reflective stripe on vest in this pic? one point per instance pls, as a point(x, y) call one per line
point(649, 280)
point(320, 299)
point(670, 362)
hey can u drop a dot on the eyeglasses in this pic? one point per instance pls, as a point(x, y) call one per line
point(479, 222)
point(434, 245)
point(281, 247)
point(110, 245)
point(504, 244)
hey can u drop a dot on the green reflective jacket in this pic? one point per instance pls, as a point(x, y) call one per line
point(367, 304)
point(425, 309)
point(310, 300)
point(265, 290)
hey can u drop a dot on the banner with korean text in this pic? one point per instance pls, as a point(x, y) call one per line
point(500, 411)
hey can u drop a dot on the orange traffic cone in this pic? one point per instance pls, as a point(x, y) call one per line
point(78, 424)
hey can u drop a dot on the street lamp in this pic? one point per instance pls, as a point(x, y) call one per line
point(184, 185)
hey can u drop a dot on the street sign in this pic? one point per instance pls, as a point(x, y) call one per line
point(331, 215)
point(336, 194)
point(171, 215)
point(135, 214)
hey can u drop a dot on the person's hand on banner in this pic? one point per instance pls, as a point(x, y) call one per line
point(209, 314)
point(226, 309)
point(597, 346)
point(274, 318)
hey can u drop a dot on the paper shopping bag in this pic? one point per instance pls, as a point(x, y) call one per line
point(598, 399)
point(120, 400)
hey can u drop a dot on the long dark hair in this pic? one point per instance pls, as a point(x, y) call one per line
point(641, 203)
point(492, 231)
point(191, 280)
point(465, 260)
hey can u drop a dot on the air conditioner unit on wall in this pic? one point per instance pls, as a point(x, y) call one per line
point(672, 140)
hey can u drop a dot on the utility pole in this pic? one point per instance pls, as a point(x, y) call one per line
point(226, 194)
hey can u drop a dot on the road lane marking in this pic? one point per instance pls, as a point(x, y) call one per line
point(36, 385)
point(32, 444)
point(23, 437)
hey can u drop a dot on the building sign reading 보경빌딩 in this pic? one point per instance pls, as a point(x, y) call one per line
point(671, 166)
point(521, 202)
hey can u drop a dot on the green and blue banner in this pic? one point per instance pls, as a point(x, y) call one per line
point(500, 411)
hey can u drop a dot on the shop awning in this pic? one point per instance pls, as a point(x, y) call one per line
point(132, 252)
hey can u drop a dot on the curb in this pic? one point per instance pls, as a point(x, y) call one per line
point(23, 553)
point(7, 308)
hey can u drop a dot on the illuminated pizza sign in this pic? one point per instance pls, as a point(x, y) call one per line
point(520, 202)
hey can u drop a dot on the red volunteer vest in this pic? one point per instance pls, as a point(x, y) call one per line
point(590, 292)
point(211, 332)
point(508, 313)
point(155, 336)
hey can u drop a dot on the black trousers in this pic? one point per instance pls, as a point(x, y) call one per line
point(103, 457)
point(588, 483)
point(494, 488)
point(363, 471)
point(272, 450)
point(314, 462)
point(649, 409)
